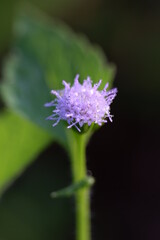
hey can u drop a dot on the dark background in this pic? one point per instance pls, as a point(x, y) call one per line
point(124, 156)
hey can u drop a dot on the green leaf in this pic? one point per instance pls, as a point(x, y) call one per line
point(25, 92)
point(43, 54)
point(87, 182)
point(20, 143)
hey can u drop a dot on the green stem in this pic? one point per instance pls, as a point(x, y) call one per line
point(79, 171)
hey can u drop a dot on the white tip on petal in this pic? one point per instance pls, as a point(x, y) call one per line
point(67, 85)
point(56, 94)
point(106, 86)
point(96, 86)
point(76, 79)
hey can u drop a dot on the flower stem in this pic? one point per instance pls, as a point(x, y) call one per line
point(82, 198)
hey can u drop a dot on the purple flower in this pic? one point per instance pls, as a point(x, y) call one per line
point(82, 104)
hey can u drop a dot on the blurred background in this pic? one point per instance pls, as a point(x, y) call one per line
point(124, 156)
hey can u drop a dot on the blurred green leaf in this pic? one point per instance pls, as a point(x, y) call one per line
point(20, 143)
point(44, 54)
point(56, 7)
point(25, 91)
point(6, 17)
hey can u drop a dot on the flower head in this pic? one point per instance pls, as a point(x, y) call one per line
point(82, 104)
